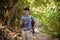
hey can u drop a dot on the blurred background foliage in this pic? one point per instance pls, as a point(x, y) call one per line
point(46, 13)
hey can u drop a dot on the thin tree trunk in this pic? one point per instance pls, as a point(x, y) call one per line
point(12, 15)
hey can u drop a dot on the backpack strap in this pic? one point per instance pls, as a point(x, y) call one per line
point(30, 17)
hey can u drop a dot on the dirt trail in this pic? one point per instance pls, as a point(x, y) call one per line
point(42, 36)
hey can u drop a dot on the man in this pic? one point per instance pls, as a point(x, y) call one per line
point(26, 21)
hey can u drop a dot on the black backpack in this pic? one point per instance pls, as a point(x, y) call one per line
point(32, 23)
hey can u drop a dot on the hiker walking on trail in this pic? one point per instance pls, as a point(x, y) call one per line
point(26, 21)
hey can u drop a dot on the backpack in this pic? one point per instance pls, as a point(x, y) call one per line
point(32, 23)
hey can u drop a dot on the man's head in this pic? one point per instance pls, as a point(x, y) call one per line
point(26, 11)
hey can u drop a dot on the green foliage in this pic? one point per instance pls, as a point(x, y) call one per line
point(49, 16)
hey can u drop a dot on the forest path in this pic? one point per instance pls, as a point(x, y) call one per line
point(42, 36)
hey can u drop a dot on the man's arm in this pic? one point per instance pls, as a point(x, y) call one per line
point(35, 24)
point(21, 23)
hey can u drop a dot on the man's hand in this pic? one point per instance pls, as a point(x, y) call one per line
point(31, 30)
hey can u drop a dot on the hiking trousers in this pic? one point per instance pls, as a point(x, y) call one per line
point(27, 35)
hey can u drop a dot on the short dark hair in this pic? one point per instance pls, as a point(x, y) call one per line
point(27, 8)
